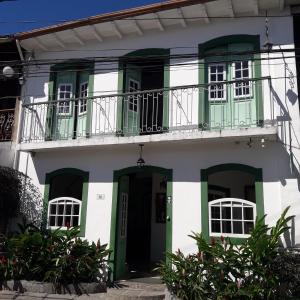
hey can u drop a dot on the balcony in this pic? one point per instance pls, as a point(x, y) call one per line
point(7, 120)
point(223, 109)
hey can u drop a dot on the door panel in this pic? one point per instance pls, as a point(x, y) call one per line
point(231, 105)
point(120, 256)
point(64, 113)
point(218, 107)
point(131, 106)
point(243, 93)
point(82, 110)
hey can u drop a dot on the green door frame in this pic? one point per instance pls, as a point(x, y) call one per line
point(52, 91)
point(142, 54)
point(168, 173)
point(259, 195)
point(203, 74)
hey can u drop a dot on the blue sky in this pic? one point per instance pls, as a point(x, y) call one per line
point(13, 13)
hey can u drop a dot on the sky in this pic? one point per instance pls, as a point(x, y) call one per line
point(23, 15)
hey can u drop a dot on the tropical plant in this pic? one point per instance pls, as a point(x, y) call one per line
point(222, 270)
point(53, 256)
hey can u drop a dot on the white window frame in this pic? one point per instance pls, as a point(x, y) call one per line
point(83, 98)
point(134, 98)
point(235, 87)
point(215, 83)
point(64, 201)
point(242, 203)
point(60, 101)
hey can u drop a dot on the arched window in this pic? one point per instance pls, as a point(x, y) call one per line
point(231, 217)
point(66, 196)
point(232, 198)
point(64, 212)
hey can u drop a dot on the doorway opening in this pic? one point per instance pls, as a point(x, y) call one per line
point(143, 220)
point(143, 112)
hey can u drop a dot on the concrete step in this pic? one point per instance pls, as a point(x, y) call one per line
point(136, 290)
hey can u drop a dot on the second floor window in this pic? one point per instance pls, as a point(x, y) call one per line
point(83, 93)
point(217, 73)
point(64, 93)
point(242, 72)
point(134, 86)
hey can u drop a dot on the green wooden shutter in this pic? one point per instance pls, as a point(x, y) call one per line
point(131, 107)
point(244, 112)
point(64, 122)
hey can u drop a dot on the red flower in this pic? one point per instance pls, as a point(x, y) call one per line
point(222, 239)
point(68, 225)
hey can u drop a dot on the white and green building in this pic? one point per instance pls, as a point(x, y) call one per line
point(207, 87)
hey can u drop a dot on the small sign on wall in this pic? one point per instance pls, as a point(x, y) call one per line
point(100, 196)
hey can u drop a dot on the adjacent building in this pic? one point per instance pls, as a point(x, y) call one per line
point(144, 125)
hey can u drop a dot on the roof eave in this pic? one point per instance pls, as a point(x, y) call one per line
point(107, 17)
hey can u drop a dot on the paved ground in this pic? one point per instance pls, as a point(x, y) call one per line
point(125, 290)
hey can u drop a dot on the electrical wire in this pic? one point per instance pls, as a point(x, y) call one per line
point(112, 91)
point(84, 60)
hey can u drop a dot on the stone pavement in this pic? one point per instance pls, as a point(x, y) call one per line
point(124, 290)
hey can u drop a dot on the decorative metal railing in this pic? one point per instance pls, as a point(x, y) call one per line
point(225, 105)
point(7, 119)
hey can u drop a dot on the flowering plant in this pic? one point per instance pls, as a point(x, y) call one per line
point(222, 270)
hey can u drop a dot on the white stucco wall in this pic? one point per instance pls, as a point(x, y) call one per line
point(7, 154)
point(186, 162)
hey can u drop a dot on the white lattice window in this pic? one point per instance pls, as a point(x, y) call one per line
point(64, 93)
point(217, 73)
point(231, 217)
point(64, 212)
point(242, 72)
point(134, 86)
point(83, 93)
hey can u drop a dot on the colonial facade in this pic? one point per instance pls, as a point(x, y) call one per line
point(144, 125)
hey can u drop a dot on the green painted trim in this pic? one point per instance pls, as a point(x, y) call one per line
point(258, 90)
point(166, 105)
point(141, 54)
point(50, 110)
point(120, 99)
point(114, 211)
point(229, 39)
point(88, 132)
point(203, 72)
point(204, 173)
point(78, 65)
point(73, 171)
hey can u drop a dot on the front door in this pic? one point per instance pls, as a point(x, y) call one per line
point(122, 217)
point(131, 106)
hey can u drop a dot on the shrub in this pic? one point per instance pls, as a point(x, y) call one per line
point(221, 270)
point(53, 256)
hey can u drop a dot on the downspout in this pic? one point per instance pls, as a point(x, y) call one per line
point(20, 115)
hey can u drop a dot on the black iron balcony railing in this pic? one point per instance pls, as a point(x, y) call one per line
point(7, 119)
point(218, 106)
